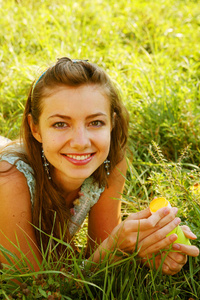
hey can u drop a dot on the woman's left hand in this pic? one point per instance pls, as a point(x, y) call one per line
point(174, 261)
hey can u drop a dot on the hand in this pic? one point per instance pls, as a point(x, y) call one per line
point(174, 261)
point(148, 230)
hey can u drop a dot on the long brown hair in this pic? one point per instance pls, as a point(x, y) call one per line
point(48, 199)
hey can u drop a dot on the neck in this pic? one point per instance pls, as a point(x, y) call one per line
point(69, 188)
point(70, 197)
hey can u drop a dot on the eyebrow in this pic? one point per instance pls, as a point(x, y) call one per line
point(69, 118)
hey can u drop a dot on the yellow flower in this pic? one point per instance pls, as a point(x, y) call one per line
point(195, 188)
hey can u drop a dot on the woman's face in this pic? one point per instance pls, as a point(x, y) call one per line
point(75, 130)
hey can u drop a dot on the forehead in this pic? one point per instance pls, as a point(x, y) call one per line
point(68, 99)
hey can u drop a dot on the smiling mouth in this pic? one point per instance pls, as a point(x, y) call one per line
point(78, 157)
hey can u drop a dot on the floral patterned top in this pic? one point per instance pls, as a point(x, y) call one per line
point(88, 195)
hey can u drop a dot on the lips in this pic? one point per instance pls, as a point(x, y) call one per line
point(79, 159)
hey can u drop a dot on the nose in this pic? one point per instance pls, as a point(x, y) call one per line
point(80, 138)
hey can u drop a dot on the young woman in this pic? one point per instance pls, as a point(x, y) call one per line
point(69, 162)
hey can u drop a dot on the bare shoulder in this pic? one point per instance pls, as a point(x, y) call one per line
point(10, 174)
point(122, 166)
point(13, 186)
point(119, 172)
point(16, 214)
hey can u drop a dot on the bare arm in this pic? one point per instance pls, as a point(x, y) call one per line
point(141, 229)
point(106, 214)
point(104, 225)
point(15, 215)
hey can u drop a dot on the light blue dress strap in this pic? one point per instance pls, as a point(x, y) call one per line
point(23, 168)
point(88, 196)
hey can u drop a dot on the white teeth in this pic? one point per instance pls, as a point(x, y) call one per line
point(79, 157)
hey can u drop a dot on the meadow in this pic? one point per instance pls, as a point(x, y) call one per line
point(151, 49)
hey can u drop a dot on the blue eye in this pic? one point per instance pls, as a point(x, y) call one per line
point(60, 125)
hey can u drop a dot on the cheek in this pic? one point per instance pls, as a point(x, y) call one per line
point(104, 141)
point(50, 144)
point(51, 140)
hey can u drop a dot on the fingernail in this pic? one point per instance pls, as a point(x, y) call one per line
point(176, 247)
point(175, 210)
point(193, 235)
point(171, 237)
point(165, 268)
point(166, 211)
point(177, 221)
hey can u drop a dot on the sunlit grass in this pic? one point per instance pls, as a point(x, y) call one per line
point(151, 50)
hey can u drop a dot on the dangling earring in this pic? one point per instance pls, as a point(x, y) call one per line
point(107, 165)
point(46, 165)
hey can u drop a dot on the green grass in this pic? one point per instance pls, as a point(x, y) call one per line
point(151, 50)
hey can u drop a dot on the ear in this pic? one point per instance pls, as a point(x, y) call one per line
point(34, 129)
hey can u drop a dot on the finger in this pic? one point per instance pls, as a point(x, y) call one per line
point(164, 221)
point(147, 249)
point(168, 265)
point(158, 240)
point(186, 249)
point(157, 220)
point(137, 229)
point(171, 271)
point(185, 228)
point(167, 271)
point(168, 218)
point(153, 220)
point(177, 257)
point(157, 261)
point(143, 214)
point(173, 263)
point(188, 233)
